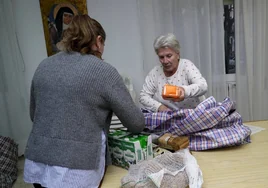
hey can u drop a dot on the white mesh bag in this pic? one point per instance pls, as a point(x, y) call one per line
point(172, 170)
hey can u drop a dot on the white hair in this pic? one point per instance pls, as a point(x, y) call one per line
point(168, 40)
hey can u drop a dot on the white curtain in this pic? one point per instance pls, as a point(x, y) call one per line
point(198, 25)
point(251, 27)
point(14, 118)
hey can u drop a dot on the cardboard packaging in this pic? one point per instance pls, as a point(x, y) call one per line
point(172, 142)
point(127, 148)
point(170, 92)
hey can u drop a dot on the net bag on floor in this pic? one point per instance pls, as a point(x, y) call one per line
point(8, 162)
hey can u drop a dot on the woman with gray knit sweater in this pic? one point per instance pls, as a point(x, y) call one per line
point(73, 96)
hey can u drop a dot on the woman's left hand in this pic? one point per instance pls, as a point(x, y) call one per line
point(181, 92)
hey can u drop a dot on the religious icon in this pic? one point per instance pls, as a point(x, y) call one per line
point(57, 15)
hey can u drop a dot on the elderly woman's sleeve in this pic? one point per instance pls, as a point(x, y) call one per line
point(197, 83)
point(148, 91)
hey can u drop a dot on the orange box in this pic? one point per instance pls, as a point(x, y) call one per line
point(170, 91)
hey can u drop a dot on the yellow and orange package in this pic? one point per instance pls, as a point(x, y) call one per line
point(170, 91)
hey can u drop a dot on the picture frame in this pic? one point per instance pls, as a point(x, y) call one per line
point(56, 16)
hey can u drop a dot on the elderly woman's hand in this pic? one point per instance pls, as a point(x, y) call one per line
point(181, 94)
point(163, 108)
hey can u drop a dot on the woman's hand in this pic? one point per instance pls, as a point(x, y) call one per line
point(181, 94)
point(163, 108)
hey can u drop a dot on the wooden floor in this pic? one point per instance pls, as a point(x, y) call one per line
point(235, 167)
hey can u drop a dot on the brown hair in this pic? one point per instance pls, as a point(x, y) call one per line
point(81, 35)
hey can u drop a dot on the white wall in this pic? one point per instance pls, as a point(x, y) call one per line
point(30, 35)
point(119, 19)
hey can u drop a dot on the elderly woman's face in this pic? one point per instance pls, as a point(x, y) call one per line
point(169, 59)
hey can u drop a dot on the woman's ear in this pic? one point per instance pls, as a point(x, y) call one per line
point(98, 42)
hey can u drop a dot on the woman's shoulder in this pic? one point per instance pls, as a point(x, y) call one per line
point(156, 70)
point(93, 61)
point(185, 61)
point(87, 61)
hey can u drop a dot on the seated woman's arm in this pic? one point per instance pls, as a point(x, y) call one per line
point(147, 93)
point(197, 83)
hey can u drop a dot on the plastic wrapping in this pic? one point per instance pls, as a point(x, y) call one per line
point(129, 85)
point(176, 170)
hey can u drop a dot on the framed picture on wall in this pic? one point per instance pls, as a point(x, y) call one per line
point(56, 16)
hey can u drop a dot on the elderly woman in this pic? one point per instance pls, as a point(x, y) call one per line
point(174, 71)
point(73, 96)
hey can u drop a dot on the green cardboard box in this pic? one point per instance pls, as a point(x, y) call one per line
point(127, 148)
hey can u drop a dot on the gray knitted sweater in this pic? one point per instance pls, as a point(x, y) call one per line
point(73, 97)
